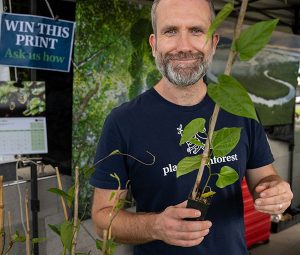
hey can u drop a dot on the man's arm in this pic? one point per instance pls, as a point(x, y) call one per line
point(137, 228)
point(271, 193)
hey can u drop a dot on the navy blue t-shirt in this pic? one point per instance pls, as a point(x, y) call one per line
point(151, 123)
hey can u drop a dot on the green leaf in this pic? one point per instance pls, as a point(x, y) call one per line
point(71, 192)
point(227, 176)
point(188, 164)
point(191, 129)
point(112, 194)
point(109, 243)
point(114, 175)
point(38, 240)
point(61, 193)
point(99, 244)
point(121, 204)
point(17, 238)
point(222, 15)
point(55, 228)
point(225, 140)
point(114, 152)
point(254, 38)
point(112, 245)
point(88, 172)
point(66, 236)
point(196, 142)
point(208, 194)
point(231, 96)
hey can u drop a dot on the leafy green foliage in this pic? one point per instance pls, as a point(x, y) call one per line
point(18, 238)
point(66, 234)
point(225, 140)
point(188, 164)
point(38, 240)
point(231, 96)
point(105, 75)
point(55, 228)
point(196, 142)
point(227, 176)
point(30, 98)
point(112, 195)
point(222, 15)
point(35, 106)
point(110, 243)
point(61, 193)
point(191, 129)
point(114, 152)
point(254, 38)
point(208, 194)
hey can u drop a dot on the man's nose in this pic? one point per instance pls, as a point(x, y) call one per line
point(184, 42)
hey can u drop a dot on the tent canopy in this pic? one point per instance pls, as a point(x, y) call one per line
point(288, 11)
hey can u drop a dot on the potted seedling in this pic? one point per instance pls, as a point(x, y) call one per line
point(232, 97)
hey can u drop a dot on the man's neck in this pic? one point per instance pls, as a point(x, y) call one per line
point(185, 96)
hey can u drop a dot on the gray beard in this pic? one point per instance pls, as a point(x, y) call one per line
point(182, 76)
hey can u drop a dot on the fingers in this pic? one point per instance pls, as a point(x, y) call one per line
point(274, 197)
point(186, 238)
point(172, 228)
point(273, 209)
point(271, 188)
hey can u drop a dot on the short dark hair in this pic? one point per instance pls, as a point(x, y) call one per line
point(156, 2)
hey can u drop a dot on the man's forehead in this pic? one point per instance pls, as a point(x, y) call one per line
point(175, 12)
point(166, 4)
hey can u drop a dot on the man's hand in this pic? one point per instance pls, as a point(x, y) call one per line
point(274, 197)
point(171, 227)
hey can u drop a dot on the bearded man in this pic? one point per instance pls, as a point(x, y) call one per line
point(153, 122)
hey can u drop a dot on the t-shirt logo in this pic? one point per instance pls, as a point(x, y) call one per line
point(193, 148)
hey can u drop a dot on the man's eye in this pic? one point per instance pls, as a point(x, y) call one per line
point(197, 31)
point(170, 32)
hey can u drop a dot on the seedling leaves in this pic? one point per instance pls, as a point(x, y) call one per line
point(222, 15)
point(208, 194)
point(191, 129)
point(188, 164)
point(227, 176)
point(66, 231)
point(254, 38)
point(225, 140)
point(231, 96)
point(55, 228)
point(38, 240)
point(61, 193)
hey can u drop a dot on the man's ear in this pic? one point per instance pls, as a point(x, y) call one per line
point(215, 40)
point(152, 42)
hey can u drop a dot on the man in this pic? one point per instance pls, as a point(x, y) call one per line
point(153, 122)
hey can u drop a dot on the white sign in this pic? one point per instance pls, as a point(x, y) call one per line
point(23, 136)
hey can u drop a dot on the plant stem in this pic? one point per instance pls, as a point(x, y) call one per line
point(61, 188)
point(75, 224)
point(104, 242)
point(207, 181)
point(10, 245)
point(1, 214)
point(27, 224)
point(9, 230)
point(229, 65)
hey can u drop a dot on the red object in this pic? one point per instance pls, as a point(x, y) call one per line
point(257, 224)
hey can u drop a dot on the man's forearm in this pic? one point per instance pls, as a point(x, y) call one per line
point(127, 227)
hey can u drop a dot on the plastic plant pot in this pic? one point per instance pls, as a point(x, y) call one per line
point(200, 203)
